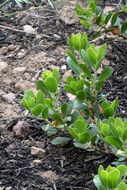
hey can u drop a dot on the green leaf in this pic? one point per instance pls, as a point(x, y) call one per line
point(85, 57)
point(124, 27)
point(114, 18)
point(39, 97)
point(99, 85)
point(64, 109)
point(41, 86)
point(81, 84)
point(106, 73)
point(25, 104)
point(72, 56)
point(105, 104)
point(85, 69)
point(69, 80)
point(69, 108)
point(73, 132)
point(74, 116)
point(48, 103)
point(81, 126)
point(92, 55)
point(60, 140)
point(123, 170)
point(97, 183)
point(124, 134)
point(73, 66)
point(84, 138)
point(76, 42)
point(73, 85)
point(51, 84)
point(104, 178)
point(113, 178)
point(55, 74)
point(114, 141)
point(81, 95)
point(57, 117)
point(108, 112)
point(69, 89)
point(31, 102)
point(36, 111)
point(45, 113)
point(108, 17)
point(122, 186)
point(84, 43)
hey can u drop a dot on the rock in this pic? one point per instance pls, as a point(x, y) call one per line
point(38, 152)
point(40, 144)
point(36, 162)
point(56, 36)
point(11, 47)
point(19, 70)
point(67, 14)
point(3, 66)
point(63, 67)
point(29, 29)
point(21, 129)
point(4, 50)
point(25, 85)
point(49, 175)
point(38, 37)
point(52, 67)
point(21, 54)
point(8, 97)
point(106, 62)
point(8, 188)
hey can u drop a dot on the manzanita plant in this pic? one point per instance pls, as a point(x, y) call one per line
point(93, 17)
point(112, 178)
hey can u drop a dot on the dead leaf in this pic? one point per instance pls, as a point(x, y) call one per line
point(68, 73)
point(116, 30)
point(108, 9)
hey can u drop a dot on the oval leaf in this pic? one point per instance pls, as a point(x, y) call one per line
point(114, 141)
point(51, 84)
point(36, 111)
point(106, 73)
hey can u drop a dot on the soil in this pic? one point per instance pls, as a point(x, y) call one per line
point(63, 167)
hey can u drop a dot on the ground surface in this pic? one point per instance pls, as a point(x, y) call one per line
point(61, 168)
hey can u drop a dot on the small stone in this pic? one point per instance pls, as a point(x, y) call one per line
point(21, 55)
point(40, 144)
point(38, 152)
point(3, 66)
point(62, 60)
point(38, 37)
point(9, 97)
point(36, 162)
point(25, 85)
point(63, 67)
point(52, 67)
point(8, 188)
point(106, 62)
point(11, 47)
point(19, 70)
point(49, 175)
point(29, 29)
point(4, 50)
point(21, 129)
point(56, 36)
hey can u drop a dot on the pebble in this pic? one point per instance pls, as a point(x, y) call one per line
point(8, 188)
point(29, 29)
point(38, 152)
point(40, 144)
point(21, 86)
point(3, 66)
point(20, 55)
point(19, 70)
point(36, 162)
point(63, 67)
point(21, 129)
point(8, 97)
point(11, 47)
point(4, 50)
